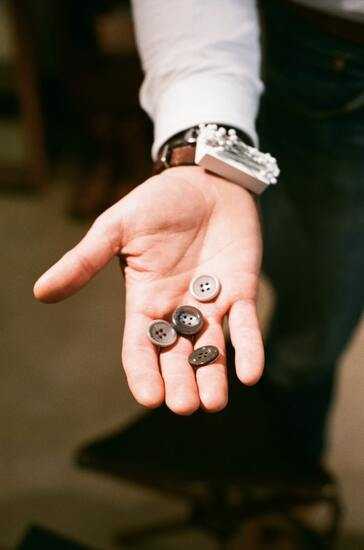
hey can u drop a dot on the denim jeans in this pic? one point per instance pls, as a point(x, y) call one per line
point(312, 121)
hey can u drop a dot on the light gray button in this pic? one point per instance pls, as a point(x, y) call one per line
point(203, 356)
point(187, 320)
point(205, 287)
point(162, 333)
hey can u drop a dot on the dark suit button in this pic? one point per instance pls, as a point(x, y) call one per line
point(203, 356)
point(187, 320)
point(205, 287)
point(162, 333)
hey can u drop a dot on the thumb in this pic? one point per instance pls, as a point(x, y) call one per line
point(101, 243)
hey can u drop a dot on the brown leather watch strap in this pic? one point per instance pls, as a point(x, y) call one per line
point(177, 156)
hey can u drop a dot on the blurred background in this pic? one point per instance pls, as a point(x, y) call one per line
point(73, 140)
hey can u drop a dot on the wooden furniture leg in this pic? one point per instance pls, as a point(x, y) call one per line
point(36, 170)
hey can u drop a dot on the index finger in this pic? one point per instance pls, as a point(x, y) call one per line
point(140, 361)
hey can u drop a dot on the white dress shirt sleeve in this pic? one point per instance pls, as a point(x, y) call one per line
point(201, 62)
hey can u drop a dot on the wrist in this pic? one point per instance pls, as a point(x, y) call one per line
point(205, 179)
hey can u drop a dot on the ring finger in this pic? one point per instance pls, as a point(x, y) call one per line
point(212, 379)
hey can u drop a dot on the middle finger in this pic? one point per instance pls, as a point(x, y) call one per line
point(181, 393)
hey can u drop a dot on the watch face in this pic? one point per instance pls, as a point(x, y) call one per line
point(225, 146)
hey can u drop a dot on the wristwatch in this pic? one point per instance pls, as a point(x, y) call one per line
point(222, 150)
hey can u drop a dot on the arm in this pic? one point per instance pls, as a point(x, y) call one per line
point(185, 221)
point(201, 60)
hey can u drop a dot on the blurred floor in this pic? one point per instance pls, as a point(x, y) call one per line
point(62, 384)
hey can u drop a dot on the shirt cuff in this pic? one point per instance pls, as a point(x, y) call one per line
point(201, 99)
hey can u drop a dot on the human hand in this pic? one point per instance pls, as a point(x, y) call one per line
point(176, 225)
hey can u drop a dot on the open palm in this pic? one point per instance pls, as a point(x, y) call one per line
point(179, 224)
